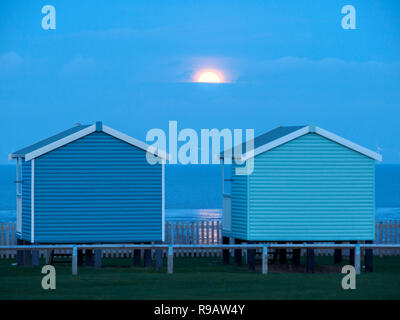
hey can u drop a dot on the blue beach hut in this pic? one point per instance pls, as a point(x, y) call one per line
point(89, 184)
point(307, 184)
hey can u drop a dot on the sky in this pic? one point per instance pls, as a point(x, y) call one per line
point(130, 64)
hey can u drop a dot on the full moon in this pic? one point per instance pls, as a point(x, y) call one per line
point(210, 77)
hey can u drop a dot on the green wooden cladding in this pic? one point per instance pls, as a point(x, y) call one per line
point(308, 189)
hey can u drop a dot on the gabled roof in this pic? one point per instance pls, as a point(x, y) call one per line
point(281, 135)
point(75, 133)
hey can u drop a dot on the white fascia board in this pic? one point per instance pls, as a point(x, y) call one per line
point(276, 143)
point(59, 143)
point(137, 143)
point(163, 201)
point(33, 201)
point(348, 144)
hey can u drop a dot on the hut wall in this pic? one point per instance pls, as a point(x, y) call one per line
point(97, 189)
point(310, 188)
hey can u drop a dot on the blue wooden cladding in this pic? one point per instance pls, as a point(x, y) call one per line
point(96, 188)
point(311, 186)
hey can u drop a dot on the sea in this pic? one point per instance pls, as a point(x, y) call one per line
point(194, 192)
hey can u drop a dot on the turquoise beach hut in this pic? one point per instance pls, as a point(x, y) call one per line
point(89, 184)
point(308, 184)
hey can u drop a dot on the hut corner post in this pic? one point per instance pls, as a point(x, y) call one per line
point(357, 258)
point(74, 261)
point(265, 260)
point(170, 260)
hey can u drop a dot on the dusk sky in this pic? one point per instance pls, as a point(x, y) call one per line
point(131, 65)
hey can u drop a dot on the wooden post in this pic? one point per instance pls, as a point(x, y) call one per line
point(170, 260)
point(48, 256)
point(282, 256)
point(225, 252)
point(80, 258)
point(296, 257)
point(337, 254)
point(368, 258)
point(158, 257)
point(27, 257)
point(35, 258)
point(97, 258)
point(20, 254)
point(238, 254)
point(89, 258)
point(74, 261)
point(357, 259)
point(265, 260)
point(136, 257)
point(310, 261)
point(192, 236)
point(147, 258)
point(251, 259)
point(351, 256)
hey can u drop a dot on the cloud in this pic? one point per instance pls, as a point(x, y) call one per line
point(256, 70)
point(122, 33)
point(10, 61)
point(78, 65)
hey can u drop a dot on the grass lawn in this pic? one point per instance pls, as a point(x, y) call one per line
point(198, 278)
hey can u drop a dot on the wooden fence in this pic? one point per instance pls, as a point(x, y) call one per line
point(210, 232)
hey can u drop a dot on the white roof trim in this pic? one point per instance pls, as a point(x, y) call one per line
point(137, 143)
point(319, 131)
point(84, 132)
point(275, 143)
point(348, 144)
point(59, 143)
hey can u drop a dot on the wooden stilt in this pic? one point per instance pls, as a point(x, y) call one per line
point(351, 254)
point(35, 258)
point(20, 254)
point(238, 254)
point(170, 267)
point(89, 258)
point(136, 257)
point(282, 256)
point(147, 258)
point(337, 254)
point(48, 256)
point(27, 256)
point(74, 261)
point(97, 259)
point(310, 261)
point(251, 259)
point(369, 258)
point(225, 252)
point(296, 257)
point(265, 260)
point(80, 258)
point(158, 257)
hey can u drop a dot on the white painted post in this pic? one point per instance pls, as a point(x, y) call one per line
point(357, 259)
point(265, 260)
point(74, 261)
point(170, 260)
